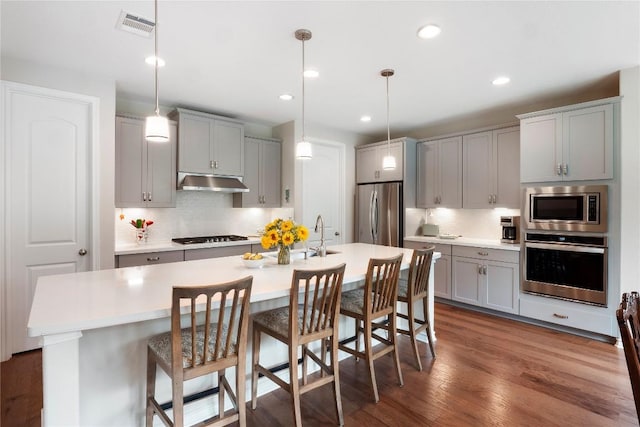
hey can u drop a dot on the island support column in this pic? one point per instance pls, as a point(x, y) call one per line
point(61, 380)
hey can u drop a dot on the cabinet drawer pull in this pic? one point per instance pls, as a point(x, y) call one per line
point(560, 316)
point(483, 253)
point(153, 259)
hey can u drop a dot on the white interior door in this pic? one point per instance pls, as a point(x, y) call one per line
point(323, 180)
point(48, 136)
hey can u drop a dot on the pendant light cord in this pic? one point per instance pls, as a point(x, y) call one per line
point(303, 89)
point(388, 132)
point(156, 56)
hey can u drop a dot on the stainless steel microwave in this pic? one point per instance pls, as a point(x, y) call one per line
point(570, 208)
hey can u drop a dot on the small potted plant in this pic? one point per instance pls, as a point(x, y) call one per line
point(141, 225)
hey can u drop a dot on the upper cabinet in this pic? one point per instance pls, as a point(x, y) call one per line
point(262, 159)
point(439, 173)
point(145, 171)
point(369, 162)
point(209, 144)
point(569, 144)
point(491, 169)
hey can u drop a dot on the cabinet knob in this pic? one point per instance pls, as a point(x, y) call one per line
point(559, 169)
point(149, 197)
point(144, 196)
point(490, 198)
point(565, 169)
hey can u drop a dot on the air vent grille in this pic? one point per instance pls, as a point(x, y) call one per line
point(135, 24)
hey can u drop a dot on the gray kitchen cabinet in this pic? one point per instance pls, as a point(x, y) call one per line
point(209, 144)
point(486, 277)
point(149, 258)
point(145, 171)
point(439, 173)
point(572, 143)
point(217, 252)
point(262, 174)
point(491, 169)
point(369, 162)
point(442, 267)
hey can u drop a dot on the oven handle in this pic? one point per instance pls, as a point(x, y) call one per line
point(567, 248)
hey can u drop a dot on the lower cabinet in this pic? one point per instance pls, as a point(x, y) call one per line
point(149, 258)
point(442, 267)
point(566, 313)
point(486, 277)
point(218, 252)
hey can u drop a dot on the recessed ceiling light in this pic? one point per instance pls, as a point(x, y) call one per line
point(502, 80)
point(429, 31)
point(311, 73)
point(286, 97)
point(365, 119)
point(152, 59)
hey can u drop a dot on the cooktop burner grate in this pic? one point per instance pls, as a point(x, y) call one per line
point(209, 239)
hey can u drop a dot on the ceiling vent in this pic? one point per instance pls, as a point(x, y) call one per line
point(135, 24)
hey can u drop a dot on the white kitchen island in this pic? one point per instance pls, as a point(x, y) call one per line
point(95, 326)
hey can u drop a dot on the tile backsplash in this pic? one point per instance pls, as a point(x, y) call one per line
point(197, 213)
point(474, 223)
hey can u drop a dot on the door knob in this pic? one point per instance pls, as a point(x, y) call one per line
point(82, 252)
point(337, 233)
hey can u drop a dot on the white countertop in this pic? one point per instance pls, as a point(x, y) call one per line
point(79, 301)
point(143, 248)
point(467, 241)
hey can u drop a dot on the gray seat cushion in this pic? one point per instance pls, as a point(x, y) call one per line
point(277, 320)
point(353, 301)
point(161, 345)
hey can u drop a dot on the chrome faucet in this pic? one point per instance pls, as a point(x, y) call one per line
point(322, 249)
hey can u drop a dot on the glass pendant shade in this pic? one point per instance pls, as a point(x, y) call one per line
point(388, 162)
point(156, 129)
point(303, 150)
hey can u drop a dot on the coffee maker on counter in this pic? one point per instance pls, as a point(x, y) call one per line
point(510, 229)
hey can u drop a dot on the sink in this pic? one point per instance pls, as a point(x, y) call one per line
point(299, 253)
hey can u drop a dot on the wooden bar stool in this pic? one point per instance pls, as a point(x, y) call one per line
point(366, 305)
point(202, 348)
point(310, 316)
point(413, 290)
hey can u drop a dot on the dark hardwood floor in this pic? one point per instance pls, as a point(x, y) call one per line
point(488, 371)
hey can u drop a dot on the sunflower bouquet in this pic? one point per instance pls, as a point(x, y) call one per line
point(283, 233)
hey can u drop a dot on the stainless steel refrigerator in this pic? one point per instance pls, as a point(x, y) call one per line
point(379, 218)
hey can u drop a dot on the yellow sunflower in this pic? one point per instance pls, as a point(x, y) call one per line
point(287, 225)
point(302, 232)
point(287, 238)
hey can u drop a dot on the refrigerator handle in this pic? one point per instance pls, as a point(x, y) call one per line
point(376, 217)
point(371, 202)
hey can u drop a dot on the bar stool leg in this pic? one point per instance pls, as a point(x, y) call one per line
point(294, 384)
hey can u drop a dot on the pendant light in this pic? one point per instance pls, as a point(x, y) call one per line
point(303, 147)
point(388, 162)
point(156, 127)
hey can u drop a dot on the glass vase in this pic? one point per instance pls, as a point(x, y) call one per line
point(284, 255)
point(141, 236)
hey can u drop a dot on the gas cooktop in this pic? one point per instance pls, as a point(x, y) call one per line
point(209, 239)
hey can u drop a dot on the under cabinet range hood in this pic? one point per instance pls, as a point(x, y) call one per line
point(223, 184)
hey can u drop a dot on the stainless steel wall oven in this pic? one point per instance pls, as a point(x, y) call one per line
point(566, 266)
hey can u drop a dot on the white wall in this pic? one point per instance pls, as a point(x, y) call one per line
point(41, 75)
point(630, 180)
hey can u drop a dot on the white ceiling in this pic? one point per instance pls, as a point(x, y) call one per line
point(235, 58)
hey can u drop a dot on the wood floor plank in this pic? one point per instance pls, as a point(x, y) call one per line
point(488, 372)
